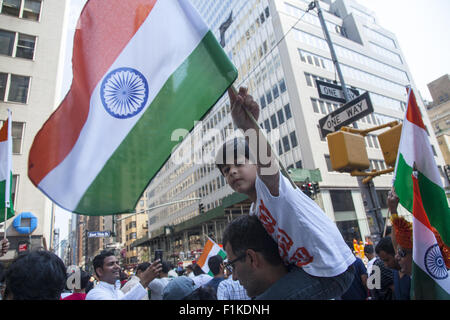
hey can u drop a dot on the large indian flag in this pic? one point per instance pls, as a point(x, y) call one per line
point(423, 195)
point(6, 170)
point(211, 249)
point(141, 69)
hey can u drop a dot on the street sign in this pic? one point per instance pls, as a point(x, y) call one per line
point(347, 114)
point(99, 234)
point(334, 92)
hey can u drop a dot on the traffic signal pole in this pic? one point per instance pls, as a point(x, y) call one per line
point(368, 192)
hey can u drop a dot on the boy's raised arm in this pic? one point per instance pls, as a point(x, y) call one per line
point(268, 169)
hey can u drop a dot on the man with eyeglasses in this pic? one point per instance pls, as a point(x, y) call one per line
point(255, 261)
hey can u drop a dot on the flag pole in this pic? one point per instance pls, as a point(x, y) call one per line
point(8, 175)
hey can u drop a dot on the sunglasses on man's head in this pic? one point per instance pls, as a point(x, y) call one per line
point(229, 265)
point(402, 253)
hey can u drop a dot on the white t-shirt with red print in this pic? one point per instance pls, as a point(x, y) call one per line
point(305, 235)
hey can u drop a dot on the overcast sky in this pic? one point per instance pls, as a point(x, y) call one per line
point(421, 26)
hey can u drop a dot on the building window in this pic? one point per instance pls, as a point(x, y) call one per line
point(315, 106)
point(263, 102)
point(26, 9)
point(299, 164)
point(275, 91)
point(269, 97)
point(280, 116)
point(17, 136)
point(7, 39)
point(273, 119)
point(18, 87)
point(24, 48)
point(14, 188)
point(294, 142)
point(345, 215)
point(328, 161)
point(286, 144)
point(282, 86)
point(287, 111)
point(267, 125)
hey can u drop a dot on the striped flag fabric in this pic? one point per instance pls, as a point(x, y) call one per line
point(211, 249)
point(423, 195)
point(6, 170)
point(141, 70)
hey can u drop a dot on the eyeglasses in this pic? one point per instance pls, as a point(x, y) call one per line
point(402, 253)
point(229, 265)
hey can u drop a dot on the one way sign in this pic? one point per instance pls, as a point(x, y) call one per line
point(347, 114)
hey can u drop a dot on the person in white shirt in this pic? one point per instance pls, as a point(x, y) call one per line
point(134, 280)
point(369, 252)
point(107, 269)
point(157, 285)
point(230, 289)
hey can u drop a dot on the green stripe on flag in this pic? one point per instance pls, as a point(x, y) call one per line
point(428, 288)
point(188, 94)
point(10, 211)
point(433, 197)
point(222, 253)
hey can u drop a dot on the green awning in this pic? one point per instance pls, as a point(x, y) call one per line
point(302, 175)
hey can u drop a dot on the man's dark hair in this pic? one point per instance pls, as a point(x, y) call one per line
point(100, 258)
point(36, 275)
point(142, 266)
point(165, 266)
point(214, 264)
point(368, 249)
point(385, 244)
point(247, 232)
point(197, 270)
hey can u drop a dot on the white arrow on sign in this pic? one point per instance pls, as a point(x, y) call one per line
point(336, 120)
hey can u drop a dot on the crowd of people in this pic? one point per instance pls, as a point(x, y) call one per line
point(286, 248)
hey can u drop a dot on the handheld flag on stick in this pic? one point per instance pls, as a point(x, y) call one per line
point(6, 171)
point(162, 70)
point(211, 249)
point(423, 195)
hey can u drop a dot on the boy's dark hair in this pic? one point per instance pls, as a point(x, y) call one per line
point(238, 147)
point(247, 232)
point(385, 244)
point(100, 258)
point(142, 266)
point(368, 249)
point(197, 270)
point(214, 264)
point(36, 275)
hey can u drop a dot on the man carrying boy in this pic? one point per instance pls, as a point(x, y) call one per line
point(305, 237)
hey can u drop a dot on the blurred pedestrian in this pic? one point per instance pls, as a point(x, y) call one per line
point(184, 288)
point(35, 275)
point(358, 289)
point(190, 271)
point(385, 289)
point(80, 293)
point(135, 279)
point(107, 269)
point(160, 282)
point(215, 264)
point(230, 289)
point(200, 277)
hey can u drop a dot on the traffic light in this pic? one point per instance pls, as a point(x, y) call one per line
point(389, 141)
point(201, 208)
point(316, 187)
point(305, 189)
point(347, 151)
point(311, 188)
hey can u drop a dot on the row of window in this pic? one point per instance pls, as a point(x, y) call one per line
point(18, 45)
point(14, 88)
point(25, 9)
point(385, 53)
point(377, 99)
point(287, 143)
point(381, 38)
point(278, 118)
point(272, 94)
point(17, 133)
point(351, 55)
point(327, 64)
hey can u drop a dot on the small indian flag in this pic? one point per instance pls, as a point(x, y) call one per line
point(211, 249)
point(423, 195)
point(6, 170)
point(141, 70)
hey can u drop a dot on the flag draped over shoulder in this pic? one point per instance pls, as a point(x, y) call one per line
point(423, 195)
point(6, 170)
point(211, 249)
point(141, 69)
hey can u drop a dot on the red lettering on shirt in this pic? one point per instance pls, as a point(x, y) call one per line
point(266, 218)
point(301, 257)
point(284, 243)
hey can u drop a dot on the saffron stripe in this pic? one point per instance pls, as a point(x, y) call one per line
point(413, 113)
point(206, 250)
